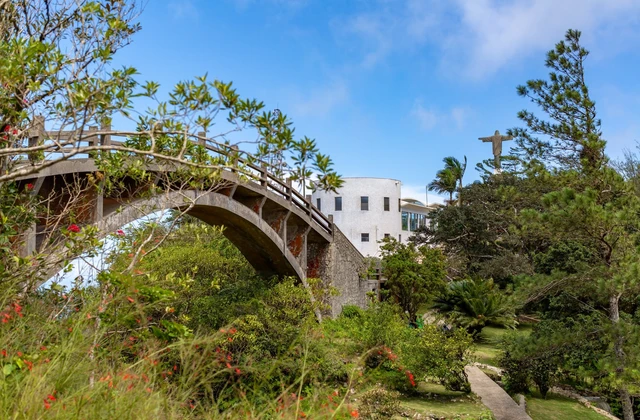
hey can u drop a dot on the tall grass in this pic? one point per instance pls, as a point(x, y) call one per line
point(90, 354)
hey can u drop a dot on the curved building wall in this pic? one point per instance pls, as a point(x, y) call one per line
point(364, 228)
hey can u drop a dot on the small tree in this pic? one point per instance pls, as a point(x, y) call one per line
point(304, 150)
point(445, 182)
point(413, 274)
point(450, 178)
point(458, 169)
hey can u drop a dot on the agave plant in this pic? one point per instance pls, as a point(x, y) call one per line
point(474, 304)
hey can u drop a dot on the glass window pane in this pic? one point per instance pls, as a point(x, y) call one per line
point(364, 237)
point(405, 220)
point(364, 203)
point(318, 204)
point(338, 203)
point(413, 221)
point(386, 204)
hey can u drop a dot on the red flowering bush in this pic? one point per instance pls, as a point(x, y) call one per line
point(73, 228)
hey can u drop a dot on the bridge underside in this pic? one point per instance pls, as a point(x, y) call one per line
point(272, 232)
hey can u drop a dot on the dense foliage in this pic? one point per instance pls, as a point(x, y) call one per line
point(414, 274)
point(558, 230)
point(474, 304)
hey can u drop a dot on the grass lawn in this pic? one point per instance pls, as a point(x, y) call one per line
point(559, 408)
point(436, 400)
point(487, 351)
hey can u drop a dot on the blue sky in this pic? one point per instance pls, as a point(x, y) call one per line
point(390, 87)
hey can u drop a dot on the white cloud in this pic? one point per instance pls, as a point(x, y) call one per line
point(418, 192)
point(290, 4)
point(478, 38)
point(182, 9)
point(428, 118)
point(459, 116)
point(320, 101)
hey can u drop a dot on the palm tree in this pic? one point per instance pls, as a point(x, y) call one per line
point(445, 181)
point(458, 169)
point(475, 303)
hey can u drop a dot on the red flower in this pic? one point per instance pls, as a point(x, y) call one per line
point(355, 414)
point(73, 228)
point(29, 186)
point(238, 371)
point(51, 397)
point(4, 353)
point(120, 232)
point(7, 128)
point(130, 299)
point(47, 405)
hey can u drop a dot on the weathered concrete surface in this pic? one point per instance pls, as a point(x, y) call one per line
point(494, 397)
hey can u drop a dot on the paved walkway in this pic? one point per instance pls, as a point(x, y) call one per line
point(494, 397)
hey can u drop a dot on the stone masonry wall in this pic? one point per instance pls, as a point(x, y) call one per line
point(345, 264)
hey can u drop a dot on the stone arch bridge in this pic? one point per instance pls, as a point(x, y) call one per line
point(277, 229)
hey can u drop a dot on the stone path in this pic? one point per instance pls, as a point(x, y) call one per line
point(494, 397)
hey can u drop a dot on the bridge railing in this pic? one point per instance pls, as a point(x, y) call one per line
point(254, 169)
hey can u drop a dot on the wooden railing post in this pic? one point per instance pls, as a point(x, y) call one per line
point(36, 138)
point(202, 141)
point(234, 157)
point(332, 226)
point(92, 139)
point(289, 189)
point(105, 139)
point(264, 177)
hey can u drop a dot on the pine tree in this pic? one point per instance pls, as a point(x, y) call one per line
point(597, 207)
point(572, 136)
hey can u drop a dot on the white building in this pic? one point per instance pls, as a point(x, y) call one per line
point(367, 210)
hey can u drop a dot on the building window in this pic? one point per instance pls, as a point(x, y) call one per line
point(364, 237)
point(364, 203)
point(318, 204)
point(386, 204)
point(413, 222)
point(386, 235)
point(405, 220)
point(399, 238)
point(399, 205)
point(338, 203)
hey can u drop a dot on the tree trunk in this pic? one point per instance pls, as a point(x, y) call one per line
point(627, 405)
point(614, 317)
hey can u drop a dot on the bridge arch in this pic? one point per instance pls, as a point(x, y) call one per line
point(262, 246)
point(278, 230)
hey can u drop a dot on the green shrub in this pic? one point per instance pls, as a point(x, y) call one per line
point(378, 403)
point(433, 354)
point(475, 303)
point(351, 311)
